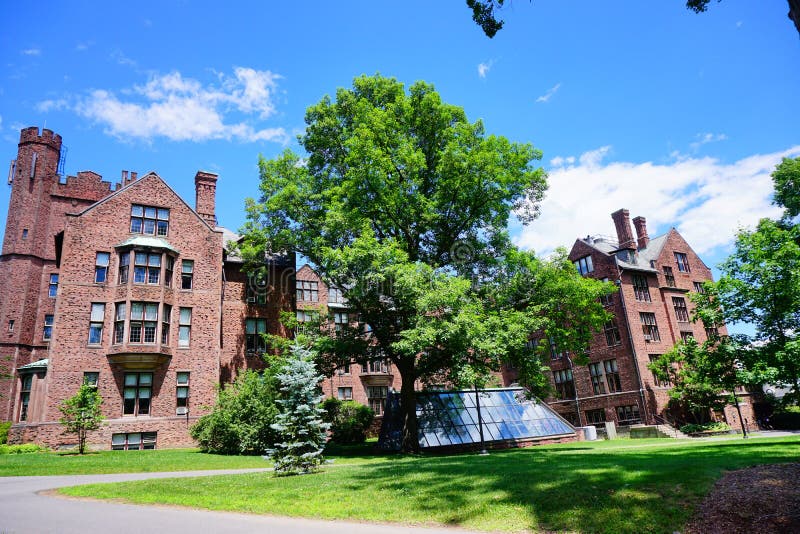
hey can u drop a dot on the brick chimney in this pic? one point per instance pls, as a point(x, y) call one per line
point(622, 221)
point(205, 186)
point(640, 223)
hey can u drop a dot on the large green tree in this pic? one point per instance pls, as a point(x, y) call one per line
point(403, 203)
point(81, 414)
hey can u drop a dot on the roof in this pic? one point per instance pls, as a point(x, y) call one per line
point(39, 364)
point(143, 241)
point(643, 259)
point(228, 237)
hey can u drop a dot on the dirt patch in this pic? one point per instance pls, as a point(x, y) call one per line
point(764, 498)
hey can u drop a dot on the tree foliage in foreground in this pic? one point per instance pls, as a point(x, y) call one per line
point(241, 421)
point(484, 13)
point(300, 428)
point(403, 203)
point(81, 414)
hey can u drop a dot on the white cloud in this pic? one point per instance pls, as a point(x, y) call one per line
point(706, 200)
point(484, 68)
point(47, 105)
point(705, 138)
point(31, 52)
point(549, 94)
point(184, 109)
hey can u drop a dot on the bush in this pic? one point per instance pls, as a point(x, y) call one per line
point(241, 422)
point(21, 449)
point(4, 432)
point(786, 418)
point(349, 421)
point(706, 427)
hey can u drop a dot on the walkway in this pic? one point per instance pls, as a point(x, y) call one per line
point(23, 509)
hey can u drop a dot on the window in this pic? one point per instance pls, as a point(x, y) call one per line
point(149, 220)
point(184, 327)
point(143, 323)
point(254, 341)
point(345, 394)
point(133, 441)
point(640, 289)
point(584, 265)
point(712, 333)
point(24, 233)
point(669, 277)
point(165, 321)
point(340, 320)
point(307, 316)
point(376, 395)
point(335, 296)
point(52, 289)
point(169, 268)
point(612, 333)
point(182, 389)
point(187, 272)
point(136, 394)
point(556, 353)
point(96, 319)
point(25, 396)
point(146, 268)
point(256, 294)
point(682, 261)
point(656, 381)
point(685, 335)
point(681, 312)
point(124, 265)
point(48, 327)
point(119, 323)
point(649, 326)
point(307, 290)
point(11, 325)
point(595, 417)
point(565, 386)
point(606, 300)
point(101, 267)
point(380, 366)
point(612, 376)
point(596, 373)
point(343, 369)
point(627, 415)
point(698, 287)
point(91, 378)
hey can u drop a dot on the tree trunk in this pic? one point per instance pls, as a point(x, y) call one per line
point(408, 408)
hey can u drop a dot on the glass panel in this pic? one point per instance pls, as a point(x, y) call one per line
point(140, 259)
point(145, 379)
point(182, 378)
point(102, 258)
point(129, 393)
point(154, 260)
point(186, 315)
point(130, 379)
point(134, 439)
point(117, 439)
point(187, 266)
point(121, 311)
point(183, 392)
point(137, 310)
point(150, 212)
point(163, 214)
point(250, 326)
point(137, 211)
point(98, 311)
point(144, 393)
point(151, 311)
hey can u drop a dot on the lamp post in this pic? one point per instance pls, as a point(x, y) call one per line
point(483, 451)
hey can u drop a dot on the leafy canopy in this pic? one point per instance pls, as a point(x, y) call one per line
point(81, 413)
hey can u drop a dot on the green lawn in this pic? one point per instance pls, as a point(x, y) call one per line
point(611, 486)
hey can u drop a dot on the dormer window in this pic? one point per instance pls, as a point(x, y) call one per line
point(149, 220)
point(584, 265)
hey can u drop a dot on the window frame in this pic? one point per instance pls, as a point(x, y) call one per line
point(184, 326)
point(307, 288)
point(682, 261)
point(611, 370)
point(182, 387)
point(100, 267)
point(641, 289)
point(139, 386)
point(187, 275)
point(597, 378)
point(47, 330)
point(611, 331)
point(377, 403)
point(52, 286)
point(146, 439)
point(344, 397)
point(681, 310)
point(564, 384)
point(584, 264)
point(95, 323)
point(254, 342)
point(158, 218)
point(669, 276)
point(25, 388)
point(650, 328)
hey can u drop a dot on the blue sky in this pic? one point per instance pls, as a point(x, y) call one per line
point(678, 117)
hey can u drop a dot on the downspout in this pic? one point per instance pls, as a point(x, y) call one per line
point(577, 400)
point(633, 348)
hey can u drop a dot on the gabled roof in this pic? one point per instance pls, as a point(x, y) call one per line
point(644, 257)
point(137, 182)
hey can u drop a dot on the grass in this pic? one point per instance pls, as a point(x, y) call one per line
point(607, 486)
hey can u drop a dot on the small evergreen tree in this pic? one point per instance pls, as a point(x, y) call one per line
point(300, 423)
point(81, 414)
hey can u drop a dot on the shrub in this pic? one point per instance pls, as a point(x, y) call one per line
point(25, 448)
point(349, 421)
point(4, 426)
point(786, 418)
point(706, 427)
point(241, 422)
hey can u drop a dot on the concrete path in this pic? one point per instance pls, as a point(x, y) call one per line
point(24, 510)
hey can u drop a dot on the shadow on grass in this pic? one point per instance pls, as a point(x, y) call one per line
point(575, 489)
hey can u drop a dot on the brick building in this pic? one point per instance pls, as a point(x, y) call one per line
point(367, 384)
point(651, 313)
point(125, 288)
